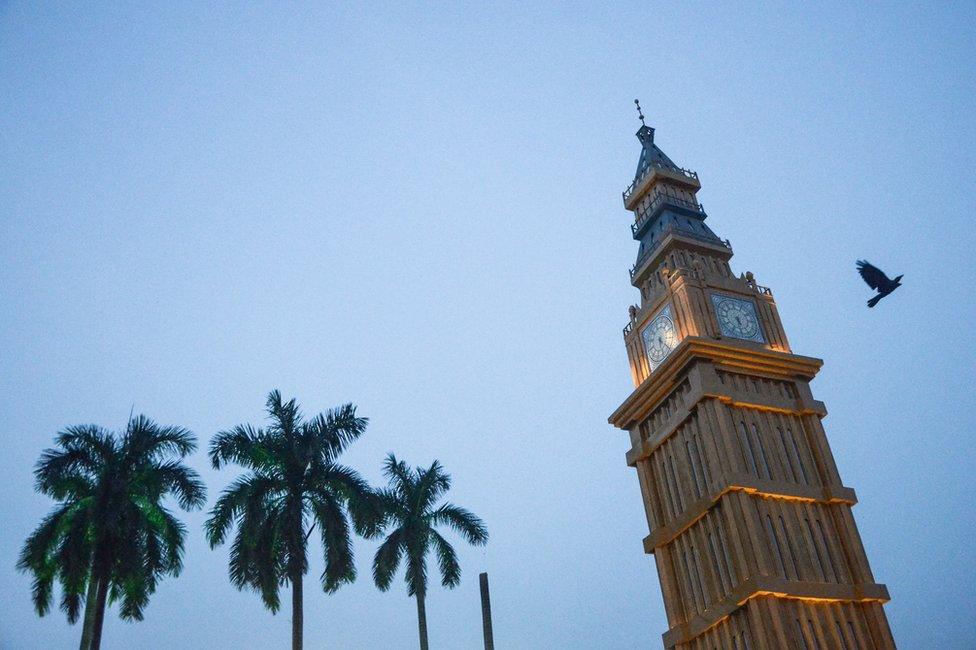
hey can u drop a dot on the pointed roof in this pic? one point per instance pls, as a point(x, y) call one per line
point(650, 154)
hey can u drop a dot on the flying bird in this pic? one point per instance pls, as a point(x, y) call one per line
point(876, 279)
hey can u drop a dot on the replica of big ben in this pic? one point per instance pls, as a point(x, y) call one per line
point(750, 524)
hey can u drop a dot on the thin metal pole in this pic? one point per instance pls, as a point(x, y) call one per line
point(486, 613)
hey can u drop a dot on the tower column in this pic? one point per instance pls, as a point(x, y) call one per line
point(748, 519)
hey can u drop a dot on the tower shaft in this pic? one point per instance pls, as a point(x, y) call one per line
point(750, 524)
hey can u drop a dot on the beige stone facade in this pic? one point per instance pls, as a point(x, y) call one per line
point(750, 524)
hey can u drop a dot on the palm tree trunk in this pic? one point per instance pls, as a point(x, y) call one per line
point(297, 614)
point(89, 622)
point(422, 621)
point(100, 602)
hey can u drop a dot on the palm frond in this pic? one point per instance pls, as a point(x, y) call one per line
point(464, 522)
point(241, 567)
point(416, 574)
point(90, 437)
point(71, 606)
point(431, 484)
point(40, 544)
point(399, 474)
point(145, 440)
point(72, 486)
point(446, 560)
point(286, 416)
point(182, 482)
point(42, 589)
point(57, 549)
point(336, 429)
point(165, 535)
point(368, 513)
point(336, 541)
point(60, 470)
point(232, 503)
point(387, 560)
point(348, 485)
point(293, 534)
point(242, 445)
point(268, 559)
point(256, 553)
point(74, 552)
point(134, 575)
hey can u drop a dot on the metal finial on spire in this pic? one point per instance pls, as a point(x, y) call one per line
point(639, 113)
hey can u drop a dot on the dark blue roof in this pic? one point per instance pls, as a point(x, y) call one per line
point(650, 153)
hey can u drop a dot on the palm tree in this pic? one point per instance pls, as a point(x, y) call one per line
point(110, 538)
point(293, 485)
point(410, 506)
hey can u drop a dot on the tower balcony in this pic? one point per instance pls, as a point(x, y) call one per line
point(660, 200)
point(657, 170)
point(672, 232)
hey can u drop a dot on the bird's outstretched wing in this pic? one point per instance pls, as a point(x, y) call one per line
point(872, 274)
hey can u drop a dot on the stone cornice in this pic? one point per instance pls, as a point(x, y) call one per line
point(731, 355)
point(826, 494)
point(708, 386)
point(822, 592)
point(676, 239)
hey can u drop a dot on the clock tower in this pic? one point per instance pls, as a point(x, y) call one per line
point(750, 523)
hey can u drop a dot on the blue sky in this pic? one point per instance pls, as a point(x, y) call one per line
point(417, 208)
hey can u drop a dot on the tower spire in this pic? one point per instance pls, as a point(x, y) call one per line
point(645, 133)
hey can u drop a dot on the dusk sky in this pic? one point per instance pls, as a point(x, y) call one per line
point(417, 209)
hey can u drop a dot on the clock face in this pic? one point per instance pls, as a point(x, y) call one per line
point(737, 318)
point(660, 337)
